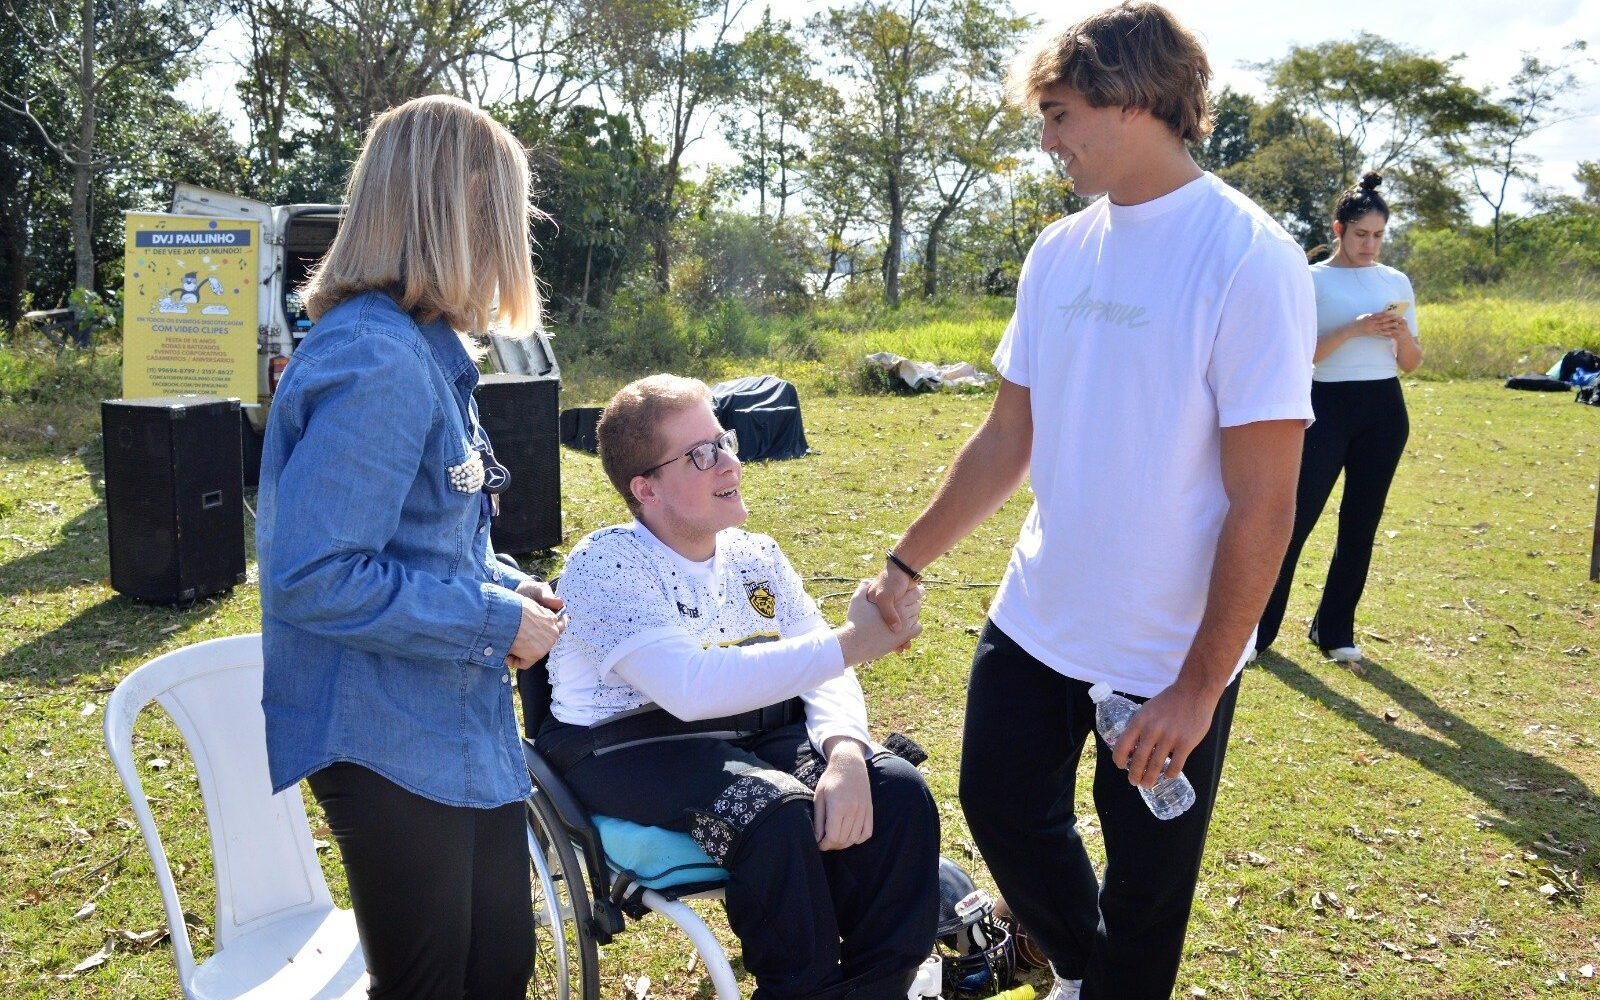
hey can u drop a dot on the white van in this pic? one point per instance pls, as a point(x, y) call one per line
point(293, 239)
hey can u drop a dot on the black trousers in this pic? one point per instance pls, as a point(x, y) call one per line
point(813, 924)
point(1360, 430)
point(442, 894)
point(1025, 731)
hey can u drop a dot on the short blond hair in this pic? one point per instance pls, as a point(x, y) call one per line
point(629, 428)
point(437, 215)
point(1133, 55)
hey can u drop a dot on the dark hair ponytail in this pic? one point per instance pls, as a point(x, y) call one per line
point(1359, 199)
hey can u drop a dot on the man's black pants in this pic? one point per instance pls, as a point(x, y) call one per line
point(1360, 430)
point(1025, 731)
point(442, 894)
point(853, 924)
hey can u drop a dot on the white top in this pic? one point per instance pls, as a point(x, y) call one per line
point(1343, 293)
point(645, 626)
point(1142, 331)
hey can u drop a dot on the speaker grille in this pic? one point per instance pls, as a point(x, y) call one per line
point(174, 496)
point(520, 413)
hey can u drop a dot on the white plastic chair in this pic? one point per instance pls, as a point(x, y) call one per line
point(277, 934)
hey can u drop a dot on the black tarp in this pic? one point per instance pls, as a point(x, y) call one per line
point(577, 428)
point(765, 411)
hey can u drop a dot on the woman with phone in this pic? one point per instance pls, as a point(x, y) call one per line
point(1366, 337)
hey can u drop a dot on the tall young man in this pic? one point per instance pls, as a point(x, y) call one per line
point(698, 688)
point(1156, 378)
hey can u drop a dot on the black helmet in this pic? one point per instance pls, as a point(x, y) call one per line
point(976, 950)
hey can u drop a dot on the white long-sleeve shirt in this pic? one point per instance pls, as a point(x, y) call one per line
point(701, 640)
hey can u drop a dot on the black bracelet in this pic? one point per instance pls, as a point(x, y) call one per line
point(902, 567)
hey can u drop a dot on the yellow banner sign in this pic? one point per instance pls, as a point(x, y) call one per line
point(189, 306)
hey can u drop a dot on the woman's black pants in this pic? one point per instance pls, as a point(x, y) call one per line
point(442, 894)
point(1361, 430)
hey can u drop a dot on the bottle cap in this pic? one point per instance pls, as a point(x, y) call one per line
point(1100, 692)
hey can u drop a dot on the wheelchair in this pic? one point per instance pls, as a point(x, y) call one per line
point(591, 874)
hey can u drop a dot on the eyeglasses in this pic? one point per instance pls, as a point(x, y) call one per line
point(705, 454)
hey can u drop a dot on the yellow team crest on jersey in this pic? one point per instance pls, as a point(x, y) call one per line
point(762, 598)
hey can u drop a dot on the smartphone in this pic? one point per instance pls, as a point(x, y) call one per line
point(1398, 307)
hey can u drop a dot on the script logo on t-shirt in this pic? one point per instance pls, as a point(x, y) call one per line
point(1105, 310)
point(762, 598)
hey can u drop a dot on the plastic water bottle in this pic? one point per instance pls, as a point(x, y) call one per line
point(1171, 797)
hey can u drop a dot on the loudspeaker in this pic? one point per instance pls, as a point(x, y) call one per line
point(521, 415)
point(174, 496)
point(579, 428)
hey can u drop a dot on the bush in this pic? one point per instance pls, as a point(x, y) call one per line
point(726, 330)
point(728, 255)
point(1441, 262)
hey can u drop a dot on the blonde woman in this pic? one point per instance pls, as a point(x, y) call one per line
point(387, 621)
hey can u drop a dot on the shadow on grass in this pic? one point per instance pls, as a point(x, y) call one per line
point(1520, 786)
point(115, 630)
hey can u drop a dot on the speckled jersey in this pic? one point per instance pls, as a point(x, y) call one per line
point(625, 589)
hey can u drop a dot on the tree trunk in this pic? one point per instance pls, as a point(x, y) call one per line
point(83, 160)
point(891, 253)
point(930, 254)
point(663, 257)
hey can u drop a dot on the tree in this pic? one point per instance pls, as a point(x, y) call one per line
point(1588, 175)
point(890, 50)
point(767, 123)
point(838, 195)
point(1537, 97)
point(1231, 140)
point(1384, 104)
point(972, 129)
point(670, 63)
point(1289, 168)
point(593, 180)
point(119, 52)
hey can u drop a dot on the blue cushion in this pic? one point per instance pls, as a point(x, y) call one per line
point(659, 858)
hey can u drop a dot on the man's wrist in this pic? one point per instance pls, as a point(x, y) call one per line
point(893, 560)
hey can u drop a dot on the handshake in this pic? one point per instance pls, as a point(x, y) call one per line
point(883, 617)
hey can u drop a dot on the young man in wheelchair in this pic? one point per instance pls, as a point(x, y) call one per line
point(698, 688)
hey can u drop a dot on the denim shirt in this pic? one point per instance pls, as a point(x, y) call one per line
point(385, 617)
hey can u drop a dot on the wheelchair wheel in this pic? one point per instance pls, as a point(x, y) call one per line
point(566, 964)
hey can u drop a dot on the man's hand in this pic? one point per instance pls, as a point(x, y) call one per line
point(842, 808)
point(540, 593)
point(1171, 725)
point(865, 636)
point(888, 591)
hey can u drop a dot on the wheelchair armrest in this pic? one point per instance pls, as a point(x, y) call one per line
point(573, 817)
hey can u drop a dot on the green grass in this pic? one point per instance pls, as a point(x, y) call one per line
point(1382, 834)
point(1489, 336)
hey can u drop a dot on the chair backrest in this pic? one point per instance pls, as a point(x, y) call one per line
point(266, 867)
point(533, 686)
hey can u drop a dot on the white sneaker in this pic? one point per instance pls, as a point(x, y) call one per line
point(1339, 654)
point(1064, 989)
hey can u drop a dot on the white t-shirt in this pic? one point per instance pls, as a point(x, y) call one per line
point(1343, 293)
point(645, 626)
point(1141, 331)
